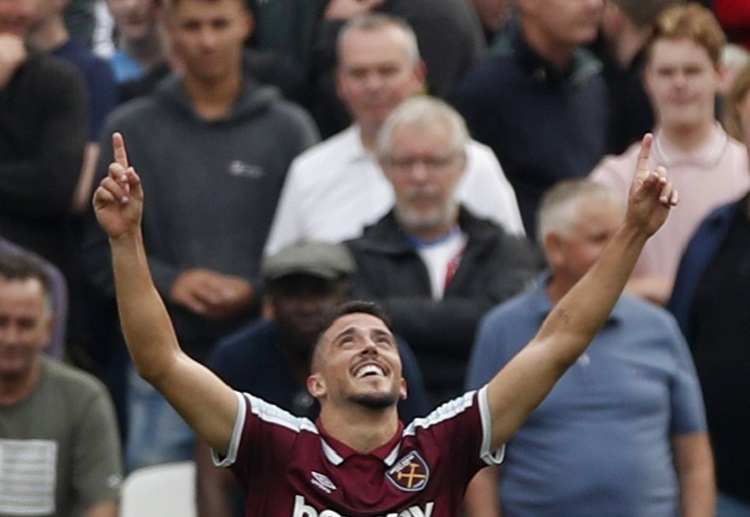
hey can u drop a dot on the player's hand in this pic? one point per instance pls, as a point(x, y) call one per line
point(347, 9)
point(118, 201)
point(651, 193)
point(211, 294)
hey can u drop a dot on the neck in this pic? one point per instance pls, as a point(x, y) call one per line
point(362, 429)
point(369, 137)
point(213, 100)
point(687, 138)
point(431, 232)
point(51, 36)
point(14, 390)
point(553, 51)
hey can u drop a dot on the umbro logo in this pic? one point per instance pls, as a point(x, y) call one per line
point(323, 482)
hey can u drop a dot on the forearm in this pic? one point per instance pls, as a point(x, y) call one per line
point(695, 471)
point(145, 323)
point(578, 316)
point(571, 325)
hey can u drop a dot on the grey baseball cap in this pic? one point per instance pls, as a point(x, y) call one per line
point(315, 258)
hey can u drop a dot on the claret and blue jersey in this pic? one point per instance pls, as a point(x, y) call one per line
point(291, 466)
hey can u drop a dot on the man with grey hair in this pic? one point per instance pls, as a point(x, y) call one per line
point(626, 424)
point(334, 189)
point(433, 265)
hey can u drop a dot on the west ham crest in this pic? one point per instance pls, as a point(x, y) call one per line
point(410, 473)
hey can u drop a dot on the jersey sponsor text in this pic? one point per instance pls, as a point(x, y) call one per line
point(301, 509)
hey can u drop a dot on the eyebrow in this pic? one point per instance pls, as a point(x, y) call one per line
point(348, 331)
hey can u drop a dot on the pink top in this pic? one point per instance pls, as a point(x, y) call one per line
point(715, 173)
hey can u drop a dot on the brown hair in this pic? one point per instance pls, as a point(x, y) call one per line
point(690, 21)
point(739, 91)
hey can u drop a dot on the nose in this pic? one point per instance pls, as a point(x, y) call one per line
point(373, 81)
point(418, 171)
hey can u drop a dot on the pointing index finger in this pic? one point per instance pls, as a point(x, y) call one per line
point(643, 167)
point(121, 155)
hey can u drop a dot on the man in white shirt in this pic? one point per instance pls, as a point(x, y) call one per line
point(336, 188)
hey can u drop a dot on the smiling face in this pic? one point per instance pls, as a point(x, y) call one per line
point(357, 362)
point(25, 326)
point(376, 73)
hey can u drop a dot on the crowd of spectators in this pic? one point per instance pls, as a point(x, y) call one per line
point(393, 150)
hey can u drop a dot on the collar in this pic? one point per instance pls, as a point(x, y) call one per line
point(337, 452)
point(422, 244)
point(354, 150)
point(706, 156)
point(386, 236)
point(583, 63)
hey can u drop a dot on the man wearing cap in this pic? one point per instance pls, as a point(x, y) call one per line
point(270, 358)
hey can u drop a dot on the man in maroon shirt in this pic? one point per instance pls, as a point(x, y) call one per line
point(358, 458)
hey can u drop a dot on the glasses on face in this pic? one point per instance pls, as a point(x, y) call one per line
point(430, 163)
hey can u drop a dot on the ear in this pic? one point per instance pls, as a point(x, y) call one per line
point(613, 17)
point(267, 310)
point(248, 20)
point(724, 79)
point(316, 385)
point(49, 328)
point(420, 75)
point(404, 391)
point(553, 249)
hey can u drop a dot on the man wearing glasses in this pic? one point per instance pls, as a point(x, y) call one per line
point(433, 265)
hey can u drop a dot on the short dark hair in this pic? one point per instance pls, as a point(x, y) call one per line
point(356, 306)
point(349, 307)
point(20, 265)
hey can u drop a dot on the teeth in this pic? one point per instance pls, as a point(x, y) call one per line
point(369, 369)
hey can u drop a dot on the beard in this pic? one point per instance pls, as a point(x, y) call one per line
point(417, 221)
point(382, 401)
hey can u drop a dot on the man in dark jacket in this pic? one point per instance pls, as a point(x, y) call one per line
point(435, 267)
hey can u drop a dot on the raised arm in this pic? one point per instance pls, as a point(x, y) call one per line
point(571, 325)
point(207, 404)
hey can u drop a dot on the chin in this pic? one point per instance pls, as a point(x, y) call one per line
point(376, 400)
